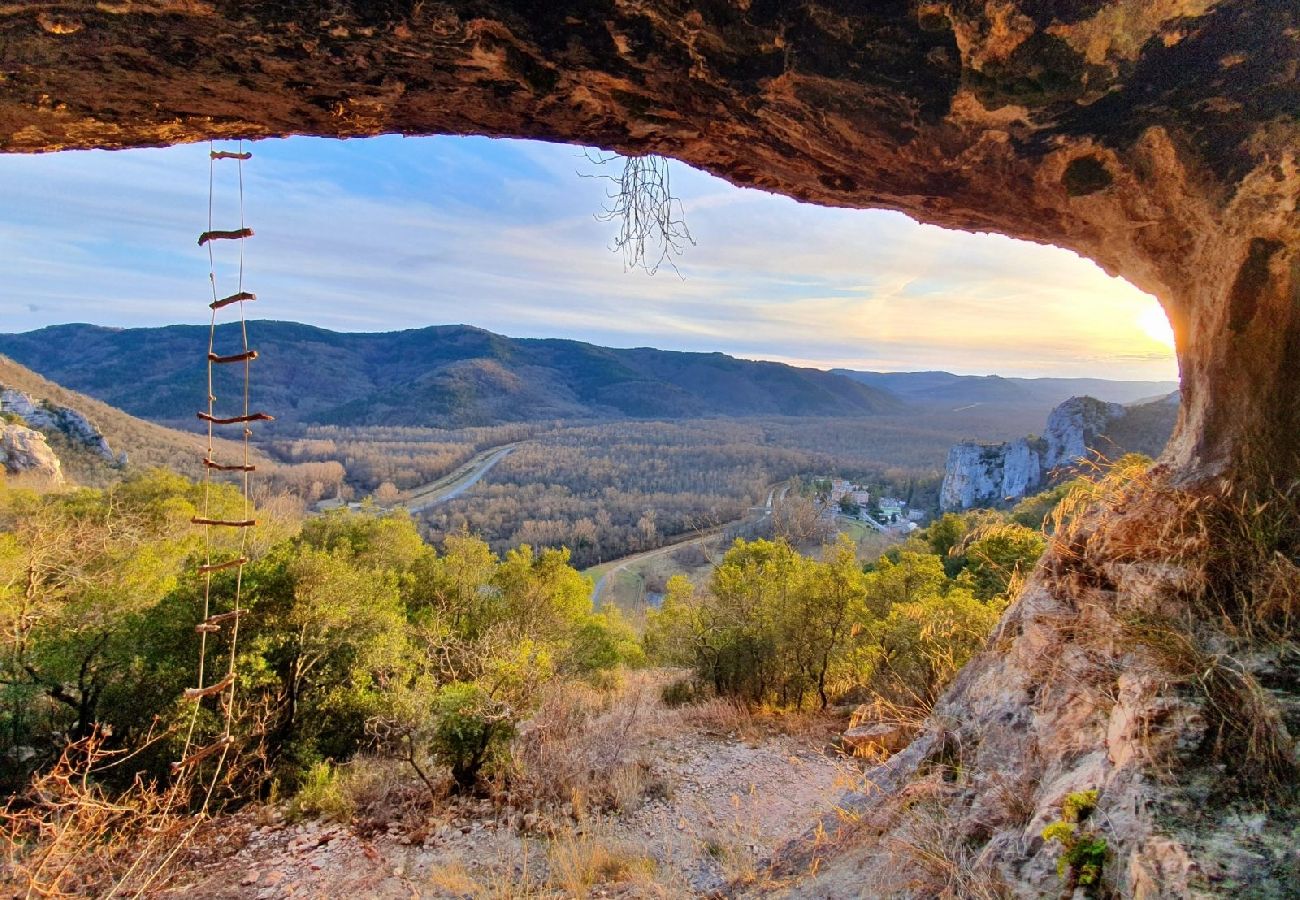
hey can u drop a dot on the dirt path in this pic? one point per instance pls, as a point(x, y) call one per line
point(723, 807)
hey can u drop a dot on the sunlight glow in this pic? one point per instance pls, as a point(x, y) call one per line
point(1155, 323)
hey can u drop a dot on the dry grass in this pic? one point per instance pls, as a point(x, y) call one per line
point(577, 750)
point(65, 837)
point(1223, 582)
point(1246, 731)
point(930, 858)
point(578, 860)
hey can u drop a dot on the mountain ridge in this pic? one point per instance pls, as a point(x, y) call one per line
point(940, 388)
point(462, 375)
point(440, 375)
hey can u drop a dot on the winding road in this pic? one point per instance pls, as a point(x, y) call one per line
point(451, 486)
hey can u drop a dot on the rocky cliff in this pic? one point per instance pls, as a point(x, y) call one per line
point(989, 474)
point(45, 416)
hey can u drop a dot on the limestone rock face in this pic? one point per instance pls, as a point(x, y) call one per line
point(23, 451)
point(46, 416)
point(1077, 430)
point(1073, 429)
point(988, 474)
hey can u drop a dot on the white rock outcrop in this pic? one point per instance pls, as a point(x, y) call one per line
point(979, 474)
point(44, 416)
point(1074, 427)
point(982, 474)
point(23, 451)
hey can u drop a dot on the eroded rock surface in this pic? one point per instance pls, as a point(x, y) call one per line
point(23, 452)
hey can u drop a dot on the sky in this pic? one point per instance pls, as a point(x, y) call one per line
point(389, 233)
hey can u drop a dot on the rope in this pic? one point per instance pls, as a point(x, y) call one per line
point(224, 689)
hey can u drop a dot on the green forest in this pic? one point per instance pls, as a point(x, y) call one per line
point(359, 640)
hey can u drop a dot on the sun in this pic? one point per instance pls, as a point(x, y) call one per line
point(1155, 325)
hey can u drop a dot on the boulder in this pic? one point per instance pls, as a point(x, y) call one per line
point(23, 451)
point(877, 739)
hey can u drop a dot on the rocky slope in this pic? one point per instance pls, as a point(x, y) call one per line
point(93, 440)
point(47, 416)
point(1079, 430)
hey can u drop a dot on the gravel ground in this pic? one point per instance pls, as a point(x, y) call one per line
point(721, 810)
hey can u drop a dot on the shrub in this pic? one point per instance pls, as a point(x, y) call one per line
point(471, 730)
point(682, 692)
point(321, 796)
point(1083, 852)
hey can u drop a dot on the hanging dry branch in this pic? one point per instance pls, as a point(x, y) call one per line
point(652, 225)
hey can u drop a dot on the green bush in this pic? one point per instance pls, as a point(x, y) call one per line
point(1083, 852)
point(471, 732)
point(321, 796)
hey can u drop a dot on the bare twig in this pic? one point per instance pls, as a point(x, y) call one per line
point(652, 226)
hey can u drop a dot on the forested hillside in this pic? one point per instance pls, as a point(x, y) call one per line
point(451, 375)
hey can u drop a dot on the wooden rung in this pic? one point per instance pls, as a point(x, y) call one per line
point(235, 420)
point(211, 690)
point(213, 623)
point(228, 564)
point(237, 235)
point(233, 358)
point(226, 154)
point(233, 298)
point(200, 755)
point(248, 523)
point(213, 464)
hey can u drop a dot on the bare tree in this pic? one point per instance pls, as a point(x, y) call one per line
point(652, 226)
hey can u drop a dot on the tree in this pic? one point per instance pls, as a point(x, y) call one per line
point(998, 555)
point(387, 494)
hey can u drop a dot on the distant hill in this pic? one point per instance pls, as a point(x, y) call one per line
point(944, 389)
point(451, 375)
